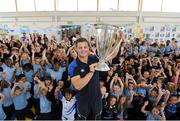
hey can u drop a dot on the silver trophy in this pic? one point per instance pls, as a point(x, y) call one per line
point(107, 43)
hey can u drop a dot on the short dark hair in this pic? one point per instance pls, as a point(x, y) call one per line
point(68, 91)
point(47, 77)
point(82, 40)
point(17, 88)
point(21, 76)
point(173, 95)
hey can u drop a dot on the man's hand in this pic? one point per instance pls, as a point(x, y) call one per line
point(92, 67)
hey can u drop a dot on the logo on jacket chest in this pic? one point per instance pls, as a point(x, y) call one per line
point(82, 70)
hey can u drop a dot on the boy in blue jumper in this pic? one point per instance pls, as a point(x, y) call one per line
point(18, 93)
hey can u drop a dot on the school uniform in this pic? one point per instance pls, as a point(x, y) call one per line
point(8, 105)
point(150, 117)
point(69, 107)
point(2, 114)
point(45, 108)
point(20, 104)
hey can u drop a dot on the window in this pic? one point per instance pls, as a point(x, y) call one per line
point(108, 5)
point(66, 5)
point(7, 6)
point(171, 6)
point(25, 5)
point(87, 5)
point(128, 5)
point(44, 5)
point(151, 5)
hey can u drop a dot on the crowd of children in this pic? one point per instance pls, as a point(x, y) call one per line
point(143, 81)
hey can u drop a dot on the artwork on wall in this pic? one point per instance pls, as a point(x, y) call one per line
point(162, 32)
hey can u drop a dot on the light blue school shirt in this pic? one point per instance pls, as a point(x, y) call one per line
point(20, 101)
point(45, 105)
point(2, 114)
point(8, 99)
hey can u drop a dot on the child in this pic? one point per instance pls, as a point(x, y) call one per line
point(45, 104)
point(36, 61)
point(2, 114)
point(69, 104)
point(18, 69)
point(116, 89)
point(142, 89)
point(130, 85)
point(18, 93)
point(29, 98)
point(36, 98)
point(104, 95)
point(28, 71)
point(8, 106)
point(171, 108)
point(122, 108)
point(109, 111)
point(154, 113)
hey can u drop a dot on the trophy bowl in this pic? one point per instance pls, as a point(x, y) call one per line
point(107, 43)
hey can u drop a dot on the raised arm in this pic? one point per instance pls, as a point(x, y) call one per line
point(143, 107)
point(132, 78)
point(163, 117)
point(139, 69)
point(33, 52)
point(24, 89)
point(13, 89)
point(21, 48)
point(41, 84)
point(161, 93)
point(44, 58)
point(170, 70)
point(149, 59)
point(60, 96)
point(122, 85)
point(131, 97)
point(126, 81)
point(111, 83)
point(177, 76)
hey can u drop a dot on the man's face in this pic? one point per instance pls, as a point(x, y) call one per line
point(82, 49)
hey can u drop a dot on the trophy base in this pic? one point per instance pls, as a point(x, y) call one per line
point(102, 67)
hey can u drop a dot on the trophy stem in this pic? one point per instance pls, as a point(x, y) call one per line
point(102, 66)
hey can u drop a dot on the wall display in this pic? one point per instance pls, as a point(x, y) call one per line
point(17, 30)
point(152, 32)
point(162, 32)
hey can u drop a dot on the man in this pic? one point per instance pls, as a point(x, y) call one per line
point(85, 79)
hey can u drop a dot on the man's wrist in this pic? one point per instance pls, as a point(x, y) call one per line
point(91, 71)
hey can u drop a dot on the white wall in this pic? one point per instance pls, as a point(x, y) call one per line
point(55, 18)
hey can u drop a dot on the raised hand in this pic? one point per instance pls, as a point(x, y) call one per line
point(146, 103)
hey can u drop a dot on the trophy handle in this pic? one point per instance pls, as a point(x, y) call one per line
point(110, 43)
point(114, 51)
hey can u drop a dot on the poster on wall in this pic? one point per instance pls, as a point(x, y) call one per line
point(161, 32)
